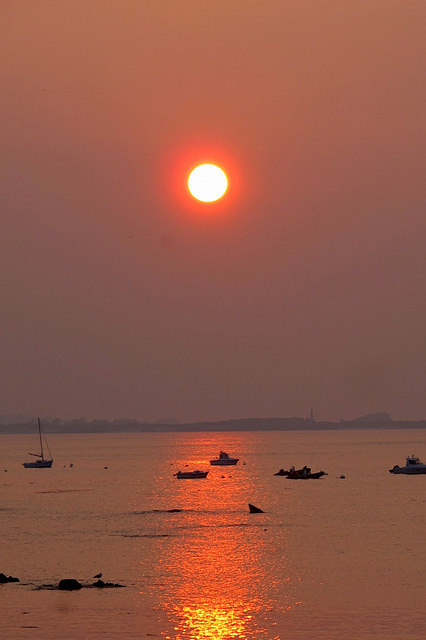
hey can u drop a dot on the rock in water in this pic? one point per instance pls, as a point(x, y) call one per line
point(254, 509)
point(69, 584)
point(4, 579)
point(100, 584)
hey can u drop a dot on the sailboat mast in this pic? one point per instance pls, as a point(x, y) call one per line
point(41, 439)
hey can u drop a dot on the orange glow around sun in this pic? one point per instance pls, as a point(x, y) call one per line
point(204, 180)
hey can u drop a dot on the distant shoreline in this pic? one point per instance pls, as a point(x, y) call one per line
point(247, 424)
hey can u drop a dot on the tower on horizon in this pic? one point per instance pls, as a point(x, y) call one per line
point(311, 416)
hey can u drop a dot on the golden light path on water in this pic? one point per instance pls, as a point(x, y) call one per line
point(219, 575)
point(214, 596)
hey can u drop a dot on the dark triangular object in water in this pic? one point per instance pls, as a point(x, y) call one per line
point(4, 578)
point(254, 509)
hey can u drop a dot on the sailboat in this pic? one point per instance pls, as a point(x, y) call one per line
point(42, 462)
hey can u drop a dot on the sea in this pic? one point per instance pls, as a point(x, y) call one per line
point(342, 556)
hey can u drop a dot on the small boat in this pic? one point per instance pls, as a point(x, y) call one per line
point(186, 475)
point(42, 462)
point(282, 472)
point(413, 465)
point(224, 459)
point(305, 474)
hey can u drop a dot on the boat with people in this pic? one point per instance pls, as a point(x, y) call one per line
point(186, 475)
point(224, 460)
point(305, 474)
point(300, 474)
point(42, 461)
point(413, 465)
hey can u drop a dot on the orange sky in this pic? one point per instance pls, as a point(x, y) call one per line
point(121, 298)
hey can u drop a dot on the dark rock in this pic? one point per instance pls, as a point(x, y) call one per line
point(69, 584)
point(254, 509)
point(100, 584)
point(4, 579)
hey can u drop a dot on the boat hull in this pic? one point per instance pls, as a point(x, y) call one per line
point(413, 466)
point(38, 464)
point(308, 476)
point(191, 475)
point(408, 472)
point(224, 463)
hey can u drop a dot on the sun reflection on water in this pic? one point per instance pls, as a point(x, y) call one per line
point(216, 567)
point(218, 584)
point(206, 622)
point(217, 570)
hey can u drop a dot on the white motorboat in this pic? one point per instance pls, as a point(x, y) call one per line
point(413, 465)
point(186, 475)
point(224, 460)
point(42, 462)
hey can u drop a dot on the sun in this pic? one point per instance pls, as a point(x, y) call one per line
point(207, 182)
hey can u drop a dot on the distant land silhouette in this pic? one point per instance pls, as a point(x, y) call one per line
point(371, 421)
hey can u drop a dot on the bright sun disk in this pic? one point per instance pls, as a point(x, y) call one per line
point(207, 182)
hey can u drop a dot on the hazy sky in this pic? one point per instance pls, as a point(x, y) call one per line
point(305, 287)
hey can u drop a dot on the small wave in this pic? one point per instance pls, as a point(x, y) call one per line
point(144, 513)
point(142, 535)
point(64, 491)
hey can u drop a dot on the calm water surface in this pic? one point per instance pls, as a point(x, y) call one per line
point(329, 558)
